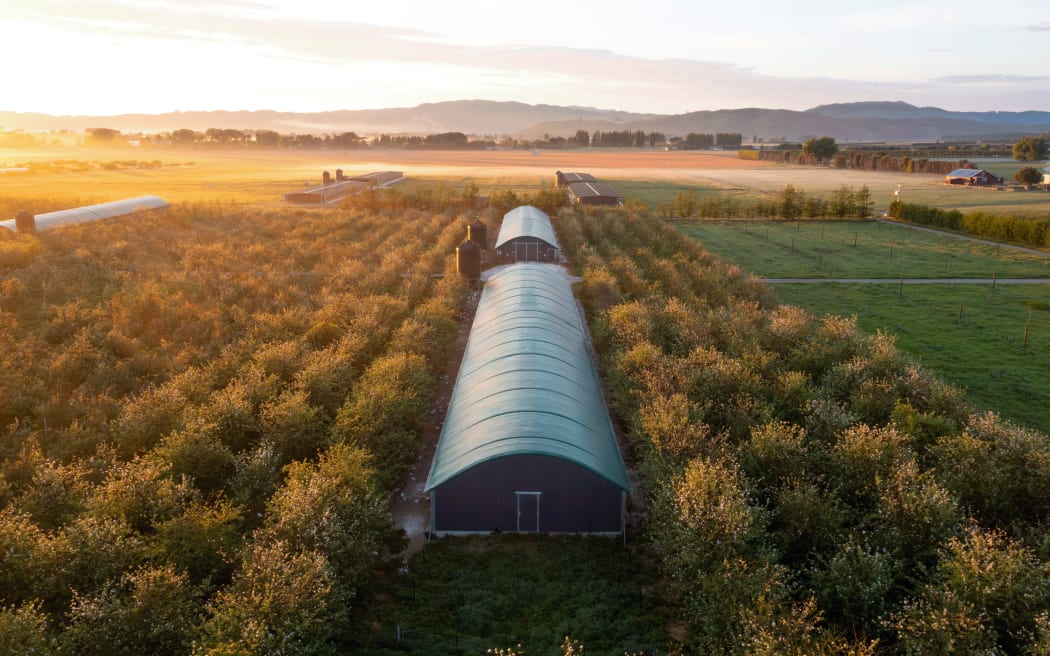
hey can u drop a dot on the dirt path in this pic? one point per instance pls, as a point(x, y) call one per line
point(411, 506)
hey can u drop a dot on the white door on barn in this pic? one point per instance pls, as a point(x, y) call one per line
point(528, 512)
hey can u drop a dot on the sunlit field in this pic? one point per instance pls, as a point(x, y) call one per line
point(210, 417)
point(261, 176)
point(264, 176)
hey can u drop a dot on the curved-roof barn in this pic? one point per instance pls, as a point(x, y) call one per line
point(89, 213)
point(526, 221)
point(527, 411)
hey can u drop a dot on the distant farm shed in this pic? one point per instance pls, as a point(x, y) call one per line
point(325, 194)
point(88, 213)
point(972, 177)
point(593, 193)
point(330, 194)
point(380, 178)
point(526, 235)
point(527, 444)
point(564, 179)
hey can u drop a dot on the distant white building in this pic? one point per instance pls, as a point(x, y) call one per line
point(1046, 176)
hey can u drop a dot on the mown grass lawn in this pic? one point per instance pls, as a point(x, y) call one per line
point(857, 249)
point(465, 595)
point(982, 352)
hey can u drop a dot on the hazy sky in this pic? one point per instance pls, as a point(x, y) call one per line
point(661, 56)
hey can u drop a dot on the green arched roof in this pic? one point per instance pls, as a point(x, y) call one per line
point(527, 384)
point(526, 221)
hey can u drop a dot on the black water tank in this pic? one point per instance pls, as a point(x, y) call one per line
point(339, 175)
point(326, 178)
point(478, 233)
point(25, 222)
point(468, 259)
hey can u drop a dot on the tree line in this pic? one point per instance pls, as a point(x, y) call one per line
point(791, 203)
point(863, 160)
point(1024, 230)
point(229, 137)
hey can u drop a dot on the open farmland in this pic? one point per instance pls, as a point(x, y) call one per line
point(260, 176)
point(207, 415)
point(982, 352)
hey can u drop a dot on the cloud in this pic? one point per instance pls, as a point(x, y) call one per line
point(1043, 27)
point(321, 45)
point(1004, 78)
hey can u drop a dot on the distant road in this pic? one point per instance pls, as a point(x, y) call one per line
point(908, 281)
point(1020, 249)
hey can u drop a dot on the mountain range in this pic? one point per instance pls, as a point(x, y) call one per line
point(867, 121)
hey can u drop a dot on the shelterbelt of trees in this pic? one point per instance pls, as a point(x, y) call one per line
point(349, 140)
point(810, 489)
point(1024, 230)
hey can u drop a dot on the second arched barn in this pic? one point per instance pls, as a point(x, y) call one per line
point(526, 235)
point(527, 443)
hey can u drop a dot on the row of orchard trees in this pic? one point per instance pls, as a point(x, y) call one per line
point(643, 139)
point(202, 418)
point(859, 159)
point(1026, 230)
point(791, 203)
point(811, 490)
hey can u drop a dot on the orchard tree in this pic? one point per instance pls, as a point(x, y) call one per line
point(824, 147)
point(280, 602)
point(1028, 175)
point(1030, 149)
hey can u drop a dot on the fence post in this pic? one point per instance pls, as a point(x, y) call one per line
point(1027, 321)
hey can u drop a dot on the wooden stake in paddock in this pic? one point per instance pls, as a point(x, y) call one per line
point(960, 309)
point(1027, 321)
point(900, 287)
point(993, 279)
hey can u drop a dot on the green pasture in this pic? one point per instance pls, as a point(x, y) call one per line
point(1035, 202)
point(983, 351)
point(466, 595)
point(857, 249)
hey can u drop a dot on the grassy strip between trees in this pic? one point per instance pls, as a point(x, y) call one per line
point(857, 249)
point(524, 593)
